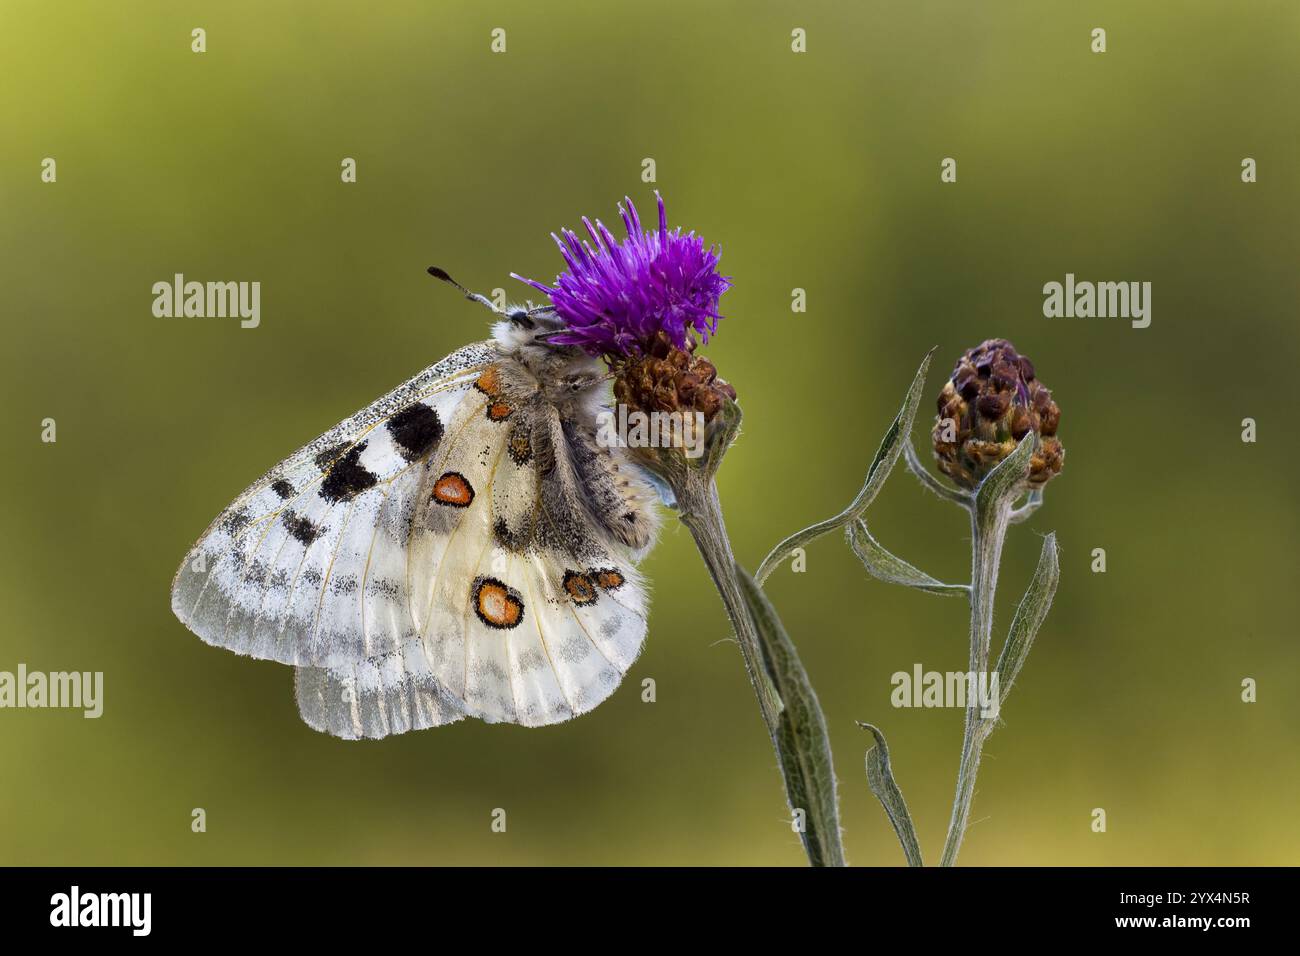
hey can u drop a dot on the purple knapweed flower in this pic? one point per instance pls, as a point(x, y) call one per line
point(615, 298)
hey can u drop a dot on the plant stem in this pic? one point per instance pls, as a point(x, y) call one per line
point(701, 512)
point(988, 531)
point(791, 714)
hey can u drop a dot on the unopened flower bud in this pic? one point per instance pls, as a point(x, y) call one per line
point(993, 400)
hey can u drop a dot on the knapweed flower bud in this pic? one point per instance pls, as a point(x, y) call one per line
point(669, 379)
point(991, 402)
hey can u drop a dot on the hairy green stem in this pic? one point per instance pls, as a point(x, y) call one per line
point(989, 522)
point(791, 714)
point(701, 512)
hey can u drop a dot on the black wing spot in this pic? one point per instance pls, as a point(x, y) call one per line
point(301, 528)
point(519, 446)
point(348, 477)
point(382, 586)
point(512, 541)
point(416, 430)
point(343, 584)
point(237, 522)
point(283, 489)
point(327, 457)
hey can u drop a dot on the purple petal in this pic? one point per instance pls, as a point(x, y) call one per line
point(617, 296)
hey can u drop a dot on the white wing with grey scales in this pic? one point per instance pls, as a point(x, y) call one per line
point(279, 574)
point(429, 558)
point(523, 612)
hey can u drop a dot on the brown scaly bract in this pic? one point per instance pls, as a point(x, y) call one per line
point(669, 379)
point(993, 400)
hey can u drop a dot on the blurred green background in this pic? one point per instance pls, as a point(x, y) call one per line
point(817, 170)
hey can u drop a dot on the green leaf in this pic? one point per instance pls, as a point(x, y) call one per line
point(891, 446)
point(930, 482)
point(719, 435)
point(1029, 616)
point(887, 567)
point(802, 743)
point(1033, 501)
point(880, 778)
point(1006, 482)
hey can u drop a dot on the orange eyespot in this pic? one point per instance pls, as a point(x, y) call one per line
point(452, 489)
point(499, 411)
point(489, 383)
point(609, 578)
point(497, 605)
point(579, 587)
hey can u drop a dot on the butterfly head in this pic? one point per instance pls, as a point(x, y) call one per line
point(532, 332)
point(572, 380)
point(531, 328)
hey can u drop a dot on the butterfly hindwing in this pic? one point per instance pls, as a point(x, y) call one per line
point(518, 619)
point(590, 632)
point(388, 694)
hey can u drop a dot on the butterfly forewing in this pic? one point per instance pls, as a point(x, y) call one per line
point(256, 582)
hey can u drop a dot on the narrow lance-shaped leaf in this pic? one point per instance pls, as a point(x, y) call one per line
point(891, 446)
point(892, 569)
point(693, 492)
point(1006, 482)
point(930, 482)
point(802, 743)
point(1033, 501)
point(1029, 616)
point(880, 778)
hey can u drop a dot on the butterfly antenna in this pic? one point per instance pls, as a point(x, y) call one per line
point(472, 296)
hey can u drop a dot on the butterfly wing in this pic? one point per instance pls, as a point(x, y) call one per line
point(300, 568)
point(522, 612)
point(428, 558)
point(388, 694)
